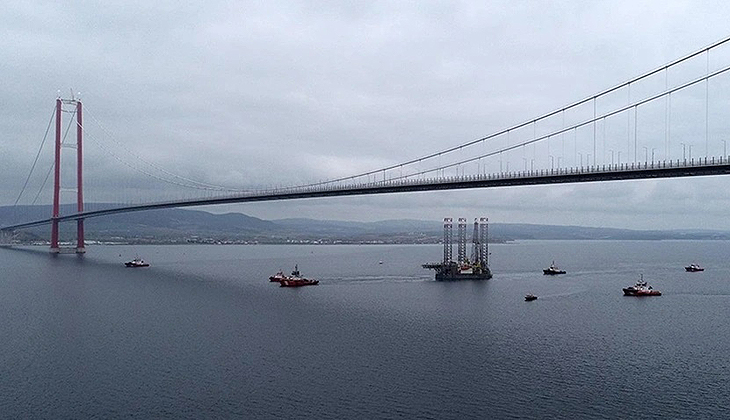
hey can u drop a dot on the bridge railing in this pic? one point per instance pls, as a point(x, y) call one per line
point(581, 170)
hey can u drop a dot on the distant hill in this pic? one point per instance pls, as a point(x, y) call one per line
point(193, 226)
point(166, 225)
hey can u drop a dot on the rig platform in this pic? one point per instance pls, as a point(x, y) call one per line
point(474, 268)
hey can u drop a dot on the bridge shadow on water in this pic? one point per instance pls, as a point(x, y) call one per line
point(69, 259)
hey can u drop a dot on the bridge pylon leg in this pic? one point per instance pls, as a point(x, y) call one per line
point(56, 181)
point(55, 249)
point(80, 247)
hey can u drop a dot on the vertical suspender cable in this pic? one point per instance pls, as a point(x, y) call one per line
point(628, 127)
point(636, 133)
point(594, 130)
point(707, 108)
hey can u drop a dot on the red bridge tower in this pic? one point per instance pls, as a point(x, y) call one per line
point(80, 249)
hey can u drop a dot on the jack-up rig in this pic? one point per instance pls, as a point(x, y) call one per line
point(464, 268)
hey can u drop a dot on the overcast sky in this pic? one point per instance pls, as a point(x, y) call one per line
point(246, 94)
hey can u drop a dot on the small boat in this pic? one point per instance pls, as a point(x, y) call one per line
point(552, 270)
point(137, 262)
point(278, 276)
point(694, 268)
point(641, 288)
point(529, 297)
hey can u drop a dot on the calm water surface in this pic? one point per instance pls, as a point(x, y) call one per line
point(203, 334)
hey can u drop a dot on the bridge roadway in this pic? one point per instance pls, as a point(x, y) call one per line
point(617, 172)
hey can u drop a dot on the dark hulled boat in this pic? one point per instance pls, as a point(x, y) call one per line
point(693, 268)
point(530, 297)
point(552, 270)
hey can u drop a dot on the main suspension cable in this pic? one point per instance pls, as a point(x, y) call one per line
point(532, 121)
point(35, 161)
point(633, 105)
point(48, 174)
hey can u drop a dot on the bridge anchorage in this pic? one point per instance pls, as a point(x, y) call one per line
point(80, 248)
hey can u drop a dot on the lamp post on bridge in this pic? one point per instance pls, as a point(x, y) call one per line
point(646, 154)
point(581, 159)
point(552, 159)
point(684, 152)
point(611, 150)
point(724, 148)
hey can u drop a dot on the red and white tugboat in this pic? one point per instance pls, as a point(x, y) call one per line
point(294, 280)
point(641, 288)
point(298, 282)
point(137, 262)
point(694, 268)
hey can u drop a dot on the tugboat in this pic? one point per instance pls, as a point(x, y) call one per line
point(294, 280)
point(641, 288)
point(552, 270)
point(298, 283)
point(530, 297)
point(137, 262)
point(694, 268)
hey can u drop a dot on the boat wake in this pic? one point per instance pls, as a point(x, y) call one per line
point(559, 295)
point(376, 279)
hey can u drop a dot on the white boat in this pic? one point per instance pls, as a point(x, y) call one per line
point(694, 268)
point(552, 270)
point(137, 262)
point(641, 288)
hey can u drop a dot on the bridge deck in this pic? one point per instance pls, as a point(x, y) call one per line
point(669, 169)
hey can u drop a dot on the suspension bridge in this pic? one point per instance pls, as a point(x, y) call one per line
point(663, 113)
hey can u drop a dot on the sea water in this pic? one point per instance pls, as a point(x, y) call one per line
point(202, 333)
